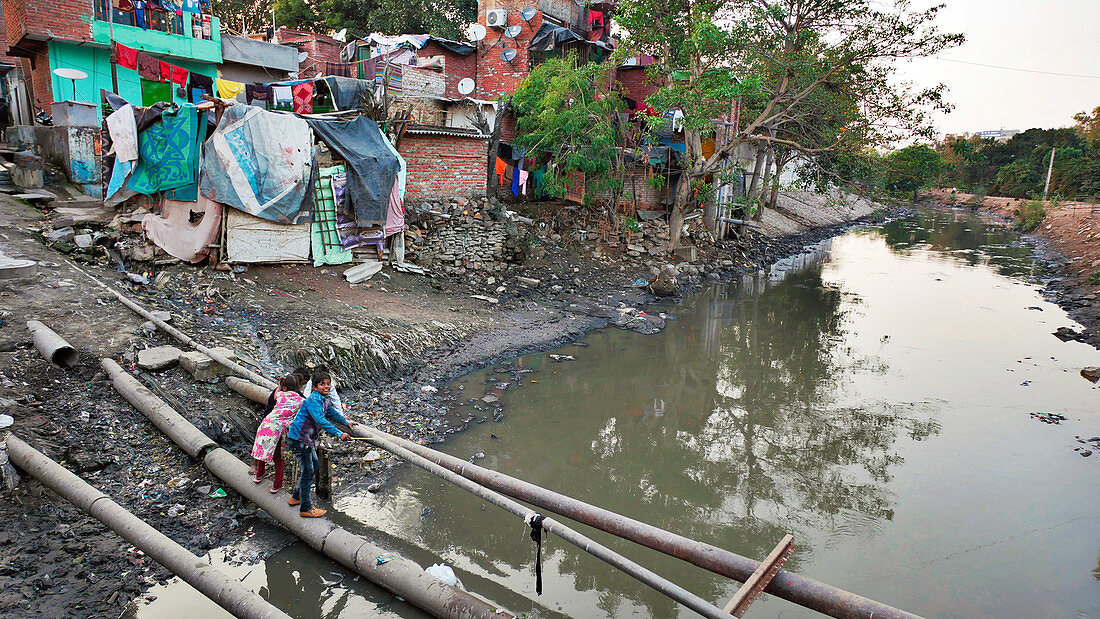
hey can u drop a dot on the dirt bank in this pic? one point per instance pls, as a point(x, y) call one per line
point(1069, 243)
point(385, 340)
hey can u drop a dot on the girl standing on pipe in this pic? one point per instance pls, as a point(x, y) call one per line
point(268, 447)
point(315, 414)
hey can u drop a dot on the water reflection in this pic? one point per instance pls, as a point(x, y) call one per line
point(960, 235)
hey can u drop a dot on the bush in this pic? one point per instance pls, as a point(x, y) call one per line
point(631, 225)
point(1030, 216)
point(1094, 279)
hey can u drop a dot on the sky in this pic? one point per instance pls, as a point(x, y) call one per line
point(1059, 36)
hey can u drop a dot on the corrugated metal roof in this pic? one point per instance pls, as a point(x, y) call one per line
point(451, 131)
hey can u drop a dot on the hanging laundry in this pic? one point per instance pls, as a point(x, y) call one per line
point(366, 69)
point(523, 182)
point(190, 192)
point(200, 85)
point(303, 98)
point(395, 216)
point(172, 6)
point(165, 71)
point(123, 6)
point(191, 6)
point(148, 67)
point(124, 56)
point(595, 18)
point(515, 181)
point(228, 89)
point(167, 158)
point(139, 15)
point(341, 69)
point(123, 130)
point(283, 95)
point(501, 170)
point(179, 76)
point(258, 92)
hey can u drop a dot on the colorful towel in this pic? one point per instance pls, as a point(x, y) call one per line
point(168, 156)
point(125, 56)
point(228, 89)
point(303, 98)
point(326, 245)
point(180, 75)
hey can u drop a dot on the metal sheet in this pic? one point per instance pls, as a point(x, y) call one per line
point(253, 239)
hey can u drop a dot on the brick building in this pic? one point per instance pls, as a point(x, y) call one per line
point(319, 48)
point(443, 161)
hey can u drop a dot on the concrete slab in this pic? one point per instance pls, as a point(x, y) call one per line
point(203, 368)
point(158, 358)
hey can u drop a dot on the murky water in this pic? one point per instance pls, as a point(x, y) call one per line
point(872, 398)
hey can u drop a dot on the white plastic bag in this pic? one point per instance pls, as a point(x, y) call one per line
point(444, 573)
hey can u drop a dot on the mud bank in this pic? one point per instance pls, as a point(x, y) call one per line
point(386, 340)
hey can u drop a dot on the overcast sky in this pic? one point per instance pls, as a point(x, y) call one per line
point(1060, 36)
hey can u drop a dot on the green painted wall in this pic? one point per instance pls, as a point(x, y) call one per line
point(96, 62)
point(164, 44)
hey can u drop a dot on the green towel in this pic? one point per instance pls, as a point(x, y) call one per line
point(325, 240)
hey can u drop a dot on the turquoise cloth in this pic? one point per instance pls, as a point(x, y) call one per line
point(190, 193)
point(324, 236)
point(168, 154)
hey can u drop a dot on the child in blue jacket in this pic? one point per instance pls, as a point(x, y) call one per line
point(315, 414)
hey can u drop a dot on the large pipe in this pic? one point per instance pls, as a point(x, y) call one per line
point(248, 389)
point(223, 590)
point(792, 587)
point(587, 544)
point(51, 346)
point(399, 576)
point(801, 590)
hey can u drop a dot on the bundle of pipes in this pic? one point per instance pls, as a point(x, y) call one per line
point(799, 589)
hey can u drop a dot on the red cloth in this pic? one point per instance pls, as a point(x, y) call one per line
point(125, 56)
point(148, 67)
point(501, 169)
point(165, 71)
point(179, 75)
point(303, 98)
point(595, 17)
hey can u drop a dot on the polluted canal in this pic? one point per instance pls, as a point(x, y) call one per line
point(872, 397)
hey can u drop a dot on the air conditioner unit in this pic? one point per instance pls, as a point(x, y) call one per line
point(497, 18)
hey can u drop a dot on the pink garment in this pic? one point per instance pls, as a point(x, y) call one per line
point(174, 233)
point(523, 182)
point(395, 216)
point(275, 424)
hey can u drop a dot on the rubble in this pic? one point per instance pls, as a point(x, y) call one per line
point(203, 368)
point(158, 358)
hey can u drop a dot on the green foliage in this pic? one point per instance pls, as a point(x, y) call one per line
point(560, 116)
point(631, 225)
point(443, 18)
point(907, 170)
point(1094, 279)
point(1030, 216)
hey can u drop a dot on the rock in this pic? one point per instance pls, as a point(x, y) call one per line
point(159, 358)
point(373, 488)
point(341, 342)
point(87, 461)
point(203, 368)
point(204, 490)
point(428, 389)
point(1066, 334)
point(665, 284)
point(530, 282)
point(1085, 453)
point(59, 235)
point(1091, 373)
point(83, 241)
point(489, 399)
point(162, 315)
point(489, 300)
point(560, 358)
point(373, 455)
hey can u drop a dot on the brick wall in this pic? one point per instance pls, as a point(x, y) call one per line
point(40, 77)
point(69, 20)
point(321, 49)
point(495, 76)
point(443, 165)
point(457, 66)
point(634, 84)
point(637, 192)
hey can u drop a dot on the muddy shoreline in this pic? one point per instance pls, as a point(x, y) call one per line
point(58, 561)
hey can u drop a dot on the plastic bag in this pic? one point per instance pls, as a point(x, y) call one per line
point(444, 573)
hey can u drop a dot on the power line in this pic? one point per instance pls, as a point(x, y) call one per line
point(993, 66)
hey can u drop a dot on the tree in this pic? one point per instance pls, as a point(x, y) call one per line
point(1088, 125)
point(793, 64)
point(561, 115)
point(443, 18)
point(911, 168)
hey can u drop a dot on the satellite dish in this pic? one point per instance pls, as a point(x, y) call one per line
point(302, 57)
point(70, 74)
point(476, 32)
point(528, 14)
point(513, 31)
point(508, 54)
point(465, 86)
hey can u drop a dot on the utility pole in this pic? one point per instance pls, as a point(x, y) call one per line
point(1050, 169)
point(111, 44)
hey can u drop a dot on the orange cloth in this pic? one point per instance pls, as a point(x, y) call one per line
point(502, 169)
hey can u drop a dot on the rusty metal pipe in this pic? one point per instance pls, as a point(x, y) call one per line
point(399, 576)
point(587, 544)
point(52, 346)
point(223, 590)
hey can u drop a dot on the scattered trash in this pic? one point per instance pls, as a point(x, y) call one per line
point(560, 358)
point(137, 279)
point(489, 399)
point(489, 300)
point(1091, 373)
point(444, 573)
point(219, 493)
point(479, 455)
point(373, 455)
point(176, 510)
point(383, 559)
point(428, 389)
point(427, 512)
point(374, 488)
point(1054, 418)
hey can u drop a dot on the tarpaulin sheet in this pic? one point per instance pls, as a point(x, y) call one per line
point(169, 153)
point(346, 91)
point(261, 163)
point(372, 168)
point(174, 233)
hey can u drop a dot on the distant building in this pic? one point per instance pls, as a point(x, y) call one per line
point(1001, 135)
